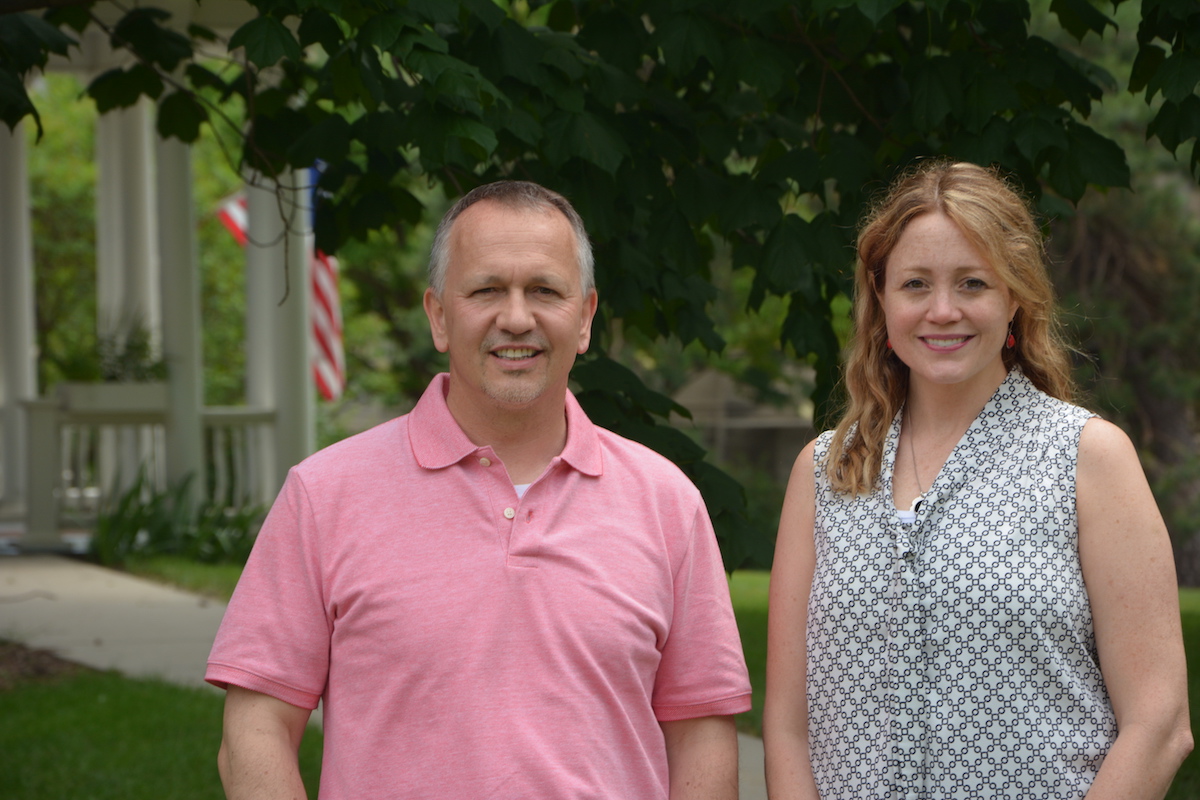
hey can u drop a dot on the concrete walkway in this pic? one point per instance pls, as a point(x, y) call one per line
point(111, 620)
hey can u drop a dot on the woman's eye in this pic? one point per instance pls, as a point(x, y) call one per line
point(974, 283)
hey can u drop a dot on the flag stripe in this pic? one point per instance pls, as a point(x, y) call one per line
point(327, 353)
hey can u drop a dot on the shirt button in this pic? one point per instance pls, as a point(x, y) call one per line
point(485, 462)
point(509, 513)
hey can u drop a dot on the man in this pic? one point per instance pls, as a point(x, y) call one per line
point(493, 597)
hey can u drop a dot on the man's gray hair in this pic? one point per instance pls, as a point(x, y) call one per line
point(512, 194)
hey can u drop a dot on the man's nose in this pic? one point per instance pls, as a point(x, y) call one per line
point(516, 316)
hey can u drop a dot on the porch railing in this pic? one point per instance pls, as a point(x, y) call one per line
point(85, 444)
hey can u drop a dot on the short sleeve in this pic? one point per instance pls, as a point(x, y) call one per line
point(702, 672)
point(274, 638)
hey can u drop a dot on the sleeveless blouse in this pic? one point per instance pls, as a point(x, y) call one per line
point(955, 657)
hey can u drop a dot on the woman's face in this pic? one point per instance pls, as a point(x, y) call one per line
point(947, 312)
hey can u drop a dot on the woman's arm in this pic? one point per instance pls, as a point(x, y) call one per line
point(785, 712)
point(1130, 575)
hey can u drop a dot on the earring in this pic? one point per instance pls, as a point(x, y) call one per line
point(1011, 341)
point(889, 344)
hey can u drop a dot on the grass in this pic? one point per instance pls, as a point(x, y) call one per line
point(1187, 780)
point(749, 592)
point(211, 580)
point(100, 736)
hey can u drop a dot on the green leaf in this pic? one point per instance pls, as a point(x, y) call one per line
point(319, 27)
point(699, 192)
point(786, 263)
point(140, 30)
point(873, 10)
point(1080, 16)
point(479, 138)
point(485, 11)
point(1101, 159)
point(419, 38)
point(989, 94)
point(26, 41)
point(750, 205)
point(603, 373)
point(119, 88)
point(327, 140)
point(520, 53)
point(685, 40)
point(384, 30)
point(266, 41)
point(1145, 66)
point(584, 136)
point(986, 146)
point(1034, 134)
point(15, 104)
point(77, 18)
point(1189, 118)
point(1177, 77)
point(1165, 126)
point(181, 115)
point(799, 164)
point(759, 64)
point(932, 91)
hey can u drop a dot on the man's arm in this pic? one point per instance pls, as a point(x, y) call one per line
point(702, 758)
point(258, 757)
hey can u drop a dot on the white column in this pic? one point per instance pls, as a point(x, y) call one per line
point(277, 324)
point(110, 222)
point(127, 273)
point(296, 400)
point(278, 371)
point(126, 223)
point(18, 341)
point(181, 343)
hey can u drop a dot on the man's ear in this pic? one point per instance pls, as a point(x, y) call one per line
point(436, 312)
point(589, 312)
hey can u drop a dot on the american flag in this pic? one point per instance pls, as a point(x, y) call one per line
point(328, 357)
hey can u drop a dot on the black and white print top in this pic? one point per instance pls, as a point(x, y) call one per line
point(955, 657)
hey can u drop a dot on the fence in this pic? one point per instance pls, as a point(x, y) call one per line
point(95, 440)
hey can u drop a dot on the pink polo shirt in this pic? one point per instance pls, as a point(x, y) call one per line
point(469, 643)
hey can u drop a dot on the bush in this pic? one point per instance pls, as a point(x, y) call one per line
point(144, 520)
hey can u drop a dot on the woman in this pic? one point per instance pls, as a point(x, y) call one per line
point(973, 592)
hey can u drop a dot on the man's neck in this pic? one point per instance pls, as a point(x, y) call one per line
point(526, 439)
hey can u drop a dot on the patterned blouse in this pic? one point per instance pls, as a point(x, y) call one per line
point(955, 657)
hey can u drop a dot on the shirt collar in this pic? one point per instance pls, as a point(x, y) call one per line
point(438, 442)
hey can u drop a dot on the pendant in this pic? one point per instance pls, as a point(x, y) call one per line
point(916, 503)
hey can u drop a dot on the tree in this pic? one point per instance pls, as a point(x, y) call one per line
point(763, 125)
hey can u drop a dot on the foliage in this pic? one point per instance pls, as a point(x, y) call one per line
point(143, 520)
point(129, 357)
point(127, 739)
point(64, 236)
point(674, 126)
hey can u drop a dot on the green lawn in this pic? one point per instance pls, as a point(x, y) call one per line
point(98, 735)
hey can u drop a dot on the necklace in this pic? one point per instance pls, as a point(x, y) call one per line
point(912, 452)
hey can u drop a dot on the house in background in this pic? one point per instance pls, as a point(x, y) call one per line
point(59, 451)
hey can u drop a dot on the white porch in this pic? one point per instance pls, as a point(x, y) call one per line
point(60, 451)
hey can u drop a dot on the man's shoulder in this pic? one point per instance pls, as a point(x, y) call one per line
point(361, 452)
point(626, 458)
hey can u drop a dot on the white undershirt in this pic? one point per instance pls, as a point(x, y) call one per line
point(520, 487)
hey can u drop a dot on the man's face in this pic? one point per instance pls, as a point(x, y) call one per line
point(512, 314)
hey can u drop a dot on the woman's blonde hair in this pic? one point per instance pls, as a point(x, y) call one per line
point(998, 221)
